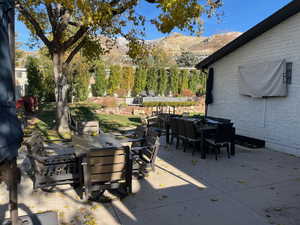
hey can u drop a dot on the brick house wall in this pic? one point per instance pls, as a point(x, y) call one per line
point(275, 120)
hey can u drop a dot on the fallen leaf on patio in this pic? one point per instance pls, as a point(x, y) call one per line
point(66, 206)
point(278, 209)
point(242, 182)
point(161, 185)
point(214, 199)
point(268, 216)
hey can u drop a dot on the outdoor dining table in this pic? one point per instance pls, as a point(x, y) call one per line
point(208, 127)
point(84, 143)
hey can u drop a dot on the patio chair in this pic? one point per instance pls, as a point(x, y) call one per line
point(191, 134)
point(49, 168)
point(181, 133)
point(145, 156)
point(220, 139)
point(174, 129)
point(107, 169)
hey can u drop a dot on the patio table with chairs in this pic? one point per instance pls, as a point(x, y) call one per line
point(93, 163)
point(202, 132)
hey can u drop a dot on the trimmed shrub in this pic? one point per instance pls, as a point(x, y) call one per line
point(173, 104)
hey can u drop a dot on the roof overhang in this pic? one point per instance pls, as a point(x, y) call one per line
point(281, 15)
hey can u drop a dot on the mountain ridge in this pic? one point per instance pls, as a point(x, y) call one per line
point(174, 45)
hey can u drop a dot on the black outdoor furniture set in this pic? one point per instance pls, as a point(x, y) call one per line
point(202, 132)
point(92, 164)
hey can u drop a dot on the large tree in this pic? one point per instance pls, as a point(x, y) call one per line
point(67, 26)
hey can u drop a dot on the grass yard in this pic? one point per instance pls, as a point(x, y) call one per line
point(45, 119)
point(116, 122)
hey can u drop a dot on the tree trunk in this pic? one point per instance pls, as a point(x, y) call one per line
point(61, 83)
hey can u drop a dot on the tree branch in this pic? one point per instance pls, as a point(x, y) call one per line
point(153, 1)
point(74, 52)
point(72, 40)
point(39, 31)
point(51, 16)
point(114, 3)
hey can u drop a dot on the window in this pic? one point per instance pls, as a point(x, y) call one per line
point(289, 71)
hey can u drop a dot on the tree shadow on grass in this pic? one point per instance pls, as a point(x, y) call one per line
point(135, 119)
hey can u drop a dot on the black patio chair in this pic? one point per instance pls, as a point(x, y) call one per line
point(50, 166)
point(181, 133)
point(106, 169)
point(221, 138)
point(191, 135)
point(174, 129)
point(145, 156)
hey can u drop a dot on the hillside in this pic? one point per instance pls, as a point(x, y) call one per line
point(175, 44)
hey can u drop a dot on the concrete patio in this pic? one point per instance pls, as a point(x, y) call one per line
point(256, 187)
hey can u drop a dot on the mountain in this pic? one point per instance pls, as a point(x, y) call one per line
point(174, 45)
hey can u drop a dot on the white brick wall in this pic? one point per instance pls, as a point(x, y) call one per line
point(276, 120)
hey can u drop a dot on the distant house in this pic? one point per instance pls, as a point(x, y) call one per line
point(256, 81)
point(21, 82)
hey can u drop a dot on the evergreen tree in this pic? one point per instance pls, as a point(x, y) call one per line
point(194, 81)
point(162, 81)
point(152, 81)
point(174, 81)
point(127, 80)
point(35, 78)
point(114, 79)
point(100, 86)
point(183, 80)
point(140, 80)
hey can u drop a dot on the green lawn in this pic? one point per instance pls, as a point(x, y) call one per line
point(115, 122)
point(85, 112)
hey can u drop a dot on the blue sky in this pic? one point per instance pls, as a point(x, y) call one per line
point(239, 15)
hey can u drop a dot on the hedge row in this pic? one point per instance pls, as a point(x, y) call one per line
point(173, 104)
